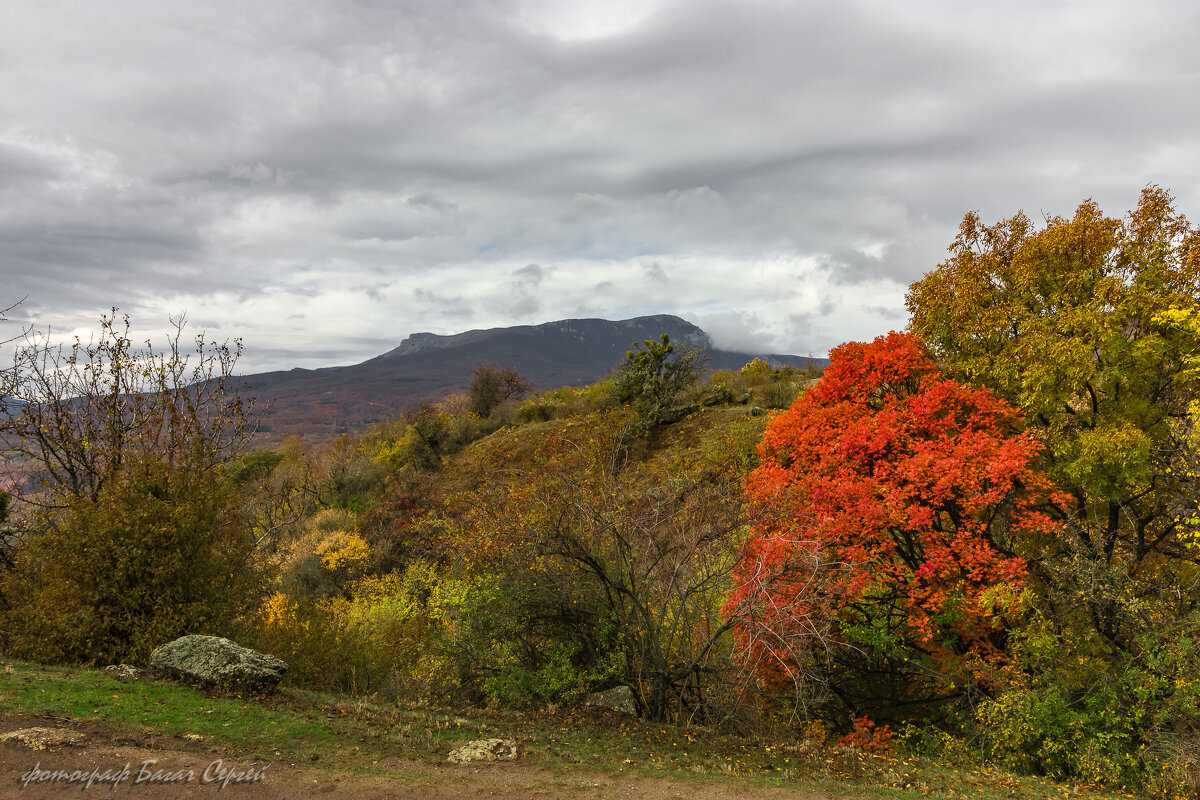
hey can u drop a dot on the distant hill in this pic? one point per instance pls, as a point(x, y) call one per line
point(323, 403)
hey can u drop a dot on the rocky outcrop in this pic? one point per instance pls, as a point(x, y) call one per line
point(212, 661)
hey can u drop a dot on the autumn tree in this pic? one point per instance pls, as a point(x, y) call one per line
point(1069, 322)
point(911, 493)
point(77, 413)
point(492, 386)
point(1083, 324)
point(129, 533)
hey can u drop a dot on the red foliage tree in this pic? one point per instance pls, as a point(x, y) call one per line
point(908, 491)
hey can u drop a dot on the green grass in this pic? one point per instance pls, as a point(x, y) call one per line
point(356, 735)
point(153, 707)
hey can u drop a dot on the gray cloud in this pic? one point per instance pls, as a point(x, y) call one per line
point(532, 274)
point(656, 273)
point(777, 171)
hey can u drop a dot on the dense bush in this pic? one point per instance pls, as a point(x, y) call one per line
point(592, 557)
point(154, 555)
point(1087, 721)
point(130, 531)
point(387, 636)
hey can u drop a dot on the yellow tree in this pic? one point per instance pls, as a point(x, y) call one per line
point(1071, 322)
point(1066, 322)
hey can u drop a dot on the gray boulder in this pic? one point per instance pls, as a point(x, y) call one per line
point(215, 662)
point(620, 698)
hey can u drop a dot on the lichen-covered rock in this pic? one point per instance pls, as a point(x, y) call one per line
point(620, 698)
point(124, 672)
point(213, 661)
point(45, 738)
point(484, 750)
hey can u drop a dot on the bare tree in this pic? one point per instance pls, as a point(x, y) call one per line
point(73, 415)
point(635, 559)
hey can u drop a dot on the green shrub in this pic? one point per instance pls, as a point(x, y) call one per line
point(157, 554)
point(524, 642)
point(538, 409)
point(1112, 723)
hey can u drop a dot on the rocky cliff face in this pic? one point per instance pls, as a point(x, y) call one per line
point(592, 335)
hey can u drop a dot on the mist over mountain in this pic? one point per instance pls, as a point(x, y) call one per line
point(322, 403)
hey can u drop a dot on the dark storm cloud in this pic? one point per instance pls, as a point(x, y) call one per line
point(778, 171)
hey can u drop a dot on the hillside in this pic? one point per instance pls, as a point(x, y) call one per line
point(300, 744)
point(324, 403)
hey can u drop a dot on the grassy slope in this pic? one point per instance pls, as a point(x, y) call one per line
point(511, 448)
point(357, 736)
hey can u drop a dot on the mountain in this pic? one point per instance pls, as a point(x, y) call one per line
point(323, 403)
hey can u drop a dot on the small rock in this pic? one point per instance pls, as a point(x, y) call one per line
point(45, 738)
point(124, 672)
point(757, 411)
point(620, 698)
point(484, 750)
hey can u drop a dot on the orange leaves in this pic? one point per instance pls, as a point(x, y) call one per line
point(904, 486)
point(866, 735)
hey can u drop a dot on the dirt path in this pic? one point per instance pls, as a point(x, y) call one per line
point(179, 769)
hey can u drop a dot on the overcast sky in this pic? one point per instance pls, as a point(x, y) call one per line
point(323, 178)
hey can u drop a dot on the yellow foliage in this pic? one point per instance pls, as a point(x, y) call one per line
point(343, 549)
point(382, 634)
point(322, 562)
point(757, 367)
point(281, 612)
point(1187, 320)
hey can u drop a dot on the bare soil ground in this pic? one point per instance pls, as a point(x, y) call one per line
point(174, 767)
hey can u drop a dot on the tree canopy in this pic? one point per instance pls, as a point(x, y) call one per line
point(653, 375)
point(910, 491)
point(1071, 323)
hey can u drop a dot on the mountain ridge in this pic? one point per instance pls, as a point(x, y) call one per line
point(420, 342)
point(323, 403)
